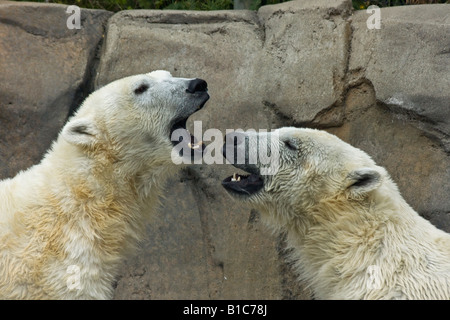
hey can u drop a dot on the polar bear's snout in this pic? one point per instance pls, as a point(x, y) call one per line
point(197, 90)
point(195, 95)
point(238, 149)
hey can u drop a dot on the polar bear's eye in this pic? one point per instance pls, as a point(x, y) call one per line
point(141, 89)
point(290, 145)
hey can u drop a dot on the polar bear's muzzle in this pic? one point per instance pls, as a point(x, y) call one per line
point(196, 97)
point(236, 151)
point(243, 184)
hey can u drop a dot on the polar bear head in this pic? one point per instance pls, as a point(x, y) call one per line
point(313, 166)
point(131, 120)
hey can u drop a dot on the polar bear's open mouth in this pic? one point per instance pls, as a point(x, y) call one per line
point(185, 137)
point(243, 184)
point(181, 137)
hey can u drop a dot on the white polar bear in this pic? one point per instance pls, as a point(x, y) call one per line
point(352, 234)
point(66, 223)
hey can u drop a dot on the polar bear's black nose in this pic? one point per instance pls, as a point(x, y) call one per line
point(197, 85)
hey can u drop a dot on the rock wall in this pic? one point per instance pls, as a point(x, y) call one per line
point(300, 63)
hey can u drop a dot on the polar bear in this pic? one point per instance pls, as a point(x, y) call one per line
point(352, 234)
point(67, 222)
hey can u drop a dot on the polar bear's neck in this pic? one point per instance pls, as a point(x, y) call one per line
point(341, 240)
point(103, 189)
point(85, 215)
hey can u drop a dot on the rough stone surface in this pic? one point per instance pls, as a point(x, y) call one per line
point(45, 73)
point(408, 63)
point(201, 247)
point(304, 57)
point(303, 63)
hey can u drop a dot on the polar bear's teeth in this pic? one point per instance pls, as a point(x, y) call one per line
point(235, 177)
point(195, 145)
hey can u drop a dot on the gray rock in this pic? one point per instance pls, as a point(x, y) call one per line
point(304, 57)
point(408, 63)
point(45, 74)
point(203, 246)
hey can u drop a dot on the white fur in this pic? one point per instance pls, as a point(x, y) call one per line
point(351, 240)
point(66, 223)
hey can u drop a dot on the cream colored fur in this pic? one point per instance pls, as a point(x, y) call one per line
point(66, 223)
point(351, 233)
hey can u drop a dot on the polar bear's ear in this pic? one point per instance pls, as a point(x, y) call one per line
point(362, 181)
point(81, 132)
